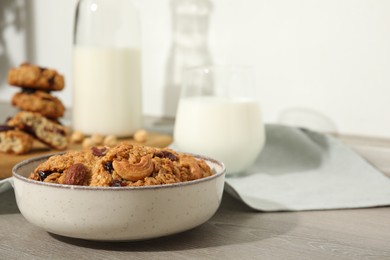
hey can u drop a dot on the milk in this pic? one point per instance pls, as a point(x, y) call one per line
point(227, 129)
point(107, 90)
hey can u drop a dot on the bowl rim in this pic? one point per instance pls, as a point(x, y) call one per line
point(104, 188)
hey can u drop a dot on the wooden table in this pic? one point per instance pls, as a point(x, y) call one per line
point(234, 232)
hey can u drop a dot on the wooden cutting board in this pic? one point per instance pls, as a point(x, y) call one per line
point(7, 161)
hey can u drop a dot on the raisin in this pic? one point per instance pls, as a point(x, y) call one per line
point(43, 174)
point(4, 128)
point(28, 129)
point(51, 80)
point(108, 166)
point(118, 183)
point(166, 154)
point(55, 130)
point(28, 90)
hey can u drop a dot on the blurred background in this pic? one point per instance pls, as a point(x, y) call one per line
point(321, 64)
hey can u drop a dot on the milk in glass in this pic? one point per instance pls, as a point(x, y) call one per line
point(225, 128)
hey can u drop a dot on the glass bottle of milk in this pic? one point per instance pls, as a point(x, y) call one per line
point(107, 68)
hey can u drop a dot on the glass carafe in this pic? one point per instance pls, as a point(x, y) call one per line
point(107, 68)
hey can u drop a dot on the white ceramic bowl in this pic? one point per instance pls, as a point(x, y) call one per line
point(117, 213)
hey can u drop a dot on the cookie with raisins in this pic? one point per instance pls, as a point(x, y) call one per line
point(40, 102)
point(45, 130)
point(35, 77)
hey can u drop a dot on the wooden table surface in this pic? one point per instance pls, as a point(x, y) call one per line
point(234, 232)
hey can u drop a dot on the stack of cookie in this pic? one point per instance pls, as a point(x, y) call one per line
point(40, 110)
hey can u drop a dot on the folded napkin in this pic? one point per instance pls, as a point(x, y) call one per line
point(304, 170)
point(6, 184)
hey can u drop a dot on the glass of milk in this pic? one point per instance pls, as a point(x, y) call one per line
point(219, 116)
point(107, 68)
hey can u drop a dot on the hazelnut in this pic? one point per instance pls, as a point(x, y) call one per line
point(77, 137)
point(88, 142)
point(141, 136)
point(97, 139)
point(110, 140)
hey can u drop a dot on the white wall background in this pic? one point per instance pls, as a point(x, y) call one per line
point(324, 62)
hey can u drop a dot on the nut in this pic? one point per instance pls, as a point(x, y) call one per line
point(77, 137)
point(110, 140)
point(141, 136)
point(76, 174)
point(88, 143)
point(97, 139)
point(195, 170)
point(134, 172)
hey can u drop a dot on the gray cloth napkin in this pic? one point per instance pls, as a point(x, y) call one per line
point(6, 184)
point(305, 170)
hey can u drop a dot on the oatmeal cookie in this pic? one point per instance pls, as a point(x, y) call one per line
point(14, 141)
point(47, 131)
point(40, 102)
point(35, 77)
point(123, 165)
point(55, 169)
